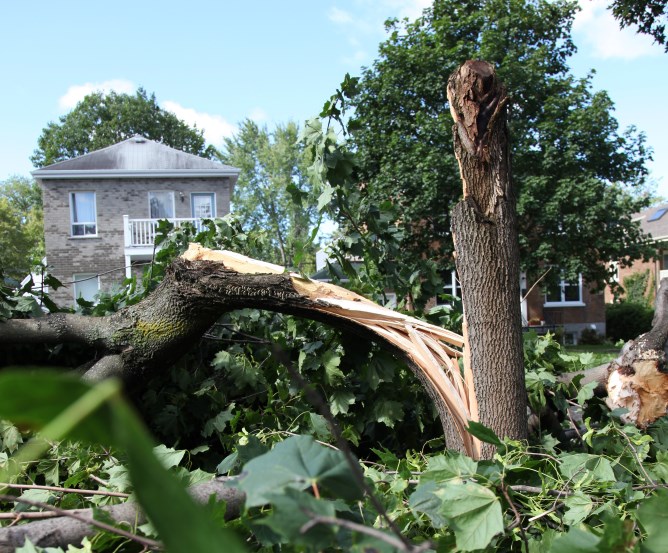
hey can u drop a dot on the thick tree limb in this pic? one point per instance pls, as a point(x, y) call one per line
point(203, 284)
point(484, 227)
point(62, 531)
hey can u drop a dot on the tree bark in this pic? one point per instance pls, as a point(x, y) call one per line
point(203, 284)
point(62, 531)
point(487, 253)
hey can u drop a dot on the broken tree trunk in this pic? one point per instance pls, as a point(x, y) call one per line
point(487, 252)
point(638, 378)
point(203, 284)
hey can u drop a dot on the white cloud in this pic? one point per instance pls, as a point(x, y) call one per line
point(340, 16)
point(215, 127)
point(598, 30)
point(76, 93)
point(258, 115)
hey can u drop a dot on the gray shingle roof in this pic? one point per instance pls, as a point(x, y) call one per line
point(653, 222)
point(136, 156)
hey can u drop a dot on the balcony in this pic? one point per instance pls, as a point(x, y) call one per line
point(140, 233)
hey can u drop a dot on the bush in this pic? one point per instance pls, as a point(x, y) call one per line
point(626, 320)
point(590, 337)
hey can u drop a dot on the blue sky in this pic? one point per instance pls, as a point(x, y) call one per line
point(215, 63)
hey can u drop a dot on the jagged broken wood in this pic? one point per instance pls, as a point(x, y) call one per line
point(638, 378)
point(484, 229)
point(203, 284)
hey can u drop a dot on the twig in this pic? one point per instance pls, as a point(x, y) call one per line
point(315, 400)
point(535, 489)
point(146, 542)
point(541, 277)
point(362, 529)
point(64, 490)
point(635, 456)
point(27, 516)
point(518, 520)
point(99, 480)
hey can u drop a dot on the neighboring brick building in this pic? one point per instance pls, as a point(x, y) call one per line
point(653, 221)
point(101, 209)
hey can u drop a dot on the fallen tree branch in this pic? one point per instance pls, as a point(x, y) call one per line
point(203, 284)
point(71, 527)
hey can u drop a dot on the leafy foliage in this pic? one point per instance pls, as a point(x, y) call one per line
point(273, 194)
point(21, 226)
point(626, 320)
point(100, 120)
point(649, 15)
point(579, 178)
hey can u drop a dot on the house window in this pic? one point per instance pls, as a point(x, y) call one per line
point(161, 205)
point(451, 287)
point(203, 205)
point(86, 286)
point(565, 293)
point(83, 213)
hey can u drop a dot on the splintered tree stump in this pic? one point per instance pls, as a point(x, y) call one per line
point(638, 378)
point(484, 228)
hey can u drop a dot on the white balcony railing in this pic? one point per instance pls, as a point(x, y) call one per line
point(140, 233)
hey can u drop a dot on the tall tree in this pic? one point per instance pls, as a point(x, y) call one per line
point(100, 120)
point(578, 177)
point(273, 193)
point(21, 225)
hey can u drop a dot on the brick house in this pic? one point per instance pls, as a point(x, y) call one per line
point(101, 209)
point(653, 221)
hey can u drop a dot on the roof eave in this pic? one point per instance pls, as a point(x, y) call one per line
point(132, 174)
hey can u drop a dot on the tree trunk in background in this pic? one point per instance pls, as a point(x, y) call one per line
point(487, 253)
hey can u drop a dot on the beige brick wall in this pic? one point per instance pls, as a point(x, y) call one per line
point(104, 253)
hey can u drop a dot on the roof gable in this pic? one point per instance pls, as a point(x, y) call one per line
point(136, 156)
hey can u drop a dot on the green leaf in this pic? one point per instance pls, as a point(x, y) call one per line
point(320, 426)
point(484, 434)
point(577, 540)
point(331, 361)
point(473, 511)
point(292, 509)
point(298, 462)
point(340, 400)
point(388, 411)
point(579, 506)
point(168, 457)
point(586, 392)
point(583, 467)
point(451, 466)
point(653, 515)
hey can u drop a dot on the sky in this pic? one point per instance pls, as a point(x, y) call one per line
point(215, 63)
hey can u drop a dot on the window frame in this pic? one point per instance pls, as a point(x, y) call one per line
point(451, 286)
point(563, 302)
point(82, 224)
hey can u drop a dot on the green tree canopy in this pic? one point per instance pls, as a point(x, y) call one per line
point(649, 15)
point(578, 178)
point(273, 193)
point(21, 225)
point(100, 120)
